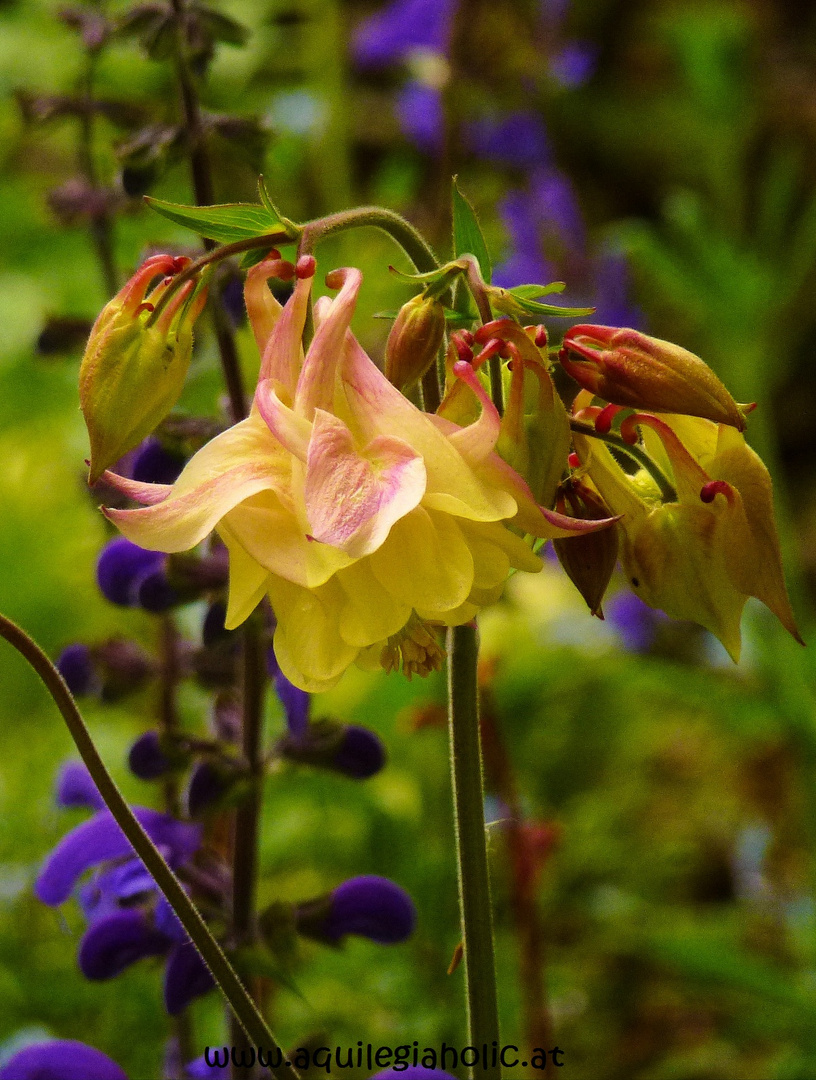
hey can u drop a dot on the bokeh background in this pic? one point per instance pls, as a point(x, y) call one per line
point(659, 157)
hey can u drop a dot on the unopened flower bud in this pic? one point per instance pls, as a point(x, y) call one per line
point(369, 906)
point(147, 758)
point(628, 368)
point(75, 664)
point(132, 372)
point(348, 749)
point(414, 340)
point(589, 559)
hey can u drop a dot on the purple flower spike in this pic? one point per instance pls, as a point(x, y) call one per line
point(420, 115)
point(361, 753)
point(296, 704)
point(75, 787)
point(186, 977)
point(75, 664)
point(146, 759)
point(209, 780)
point(200, 1070)
point(368, 906)
point(519, 140)
point(401, 28)
point(415, 1072)
point(100, 839)
point(154, 593)
point(635, 622)
point(115, 942)
point(152, 464)
point(62, 1059)
point(572, 65)
point(121, 568)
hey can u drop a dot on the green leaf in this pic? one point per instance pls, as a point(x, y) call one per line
point(225, 223)
point(704, 957)
point(467, 233)
point(532, 292)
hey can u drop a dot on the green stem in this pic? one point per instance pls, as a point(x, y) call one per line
point(222, 971)
point(411, 241)
point(471, 836)
point(667, 490)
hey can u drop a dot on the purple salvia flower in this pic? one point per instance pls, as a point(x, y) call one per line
point(361, 753)
point(152, 463)
point(62, 1059)
point(403, 27)
point(635, 622)
point(146, 759)
point(113, 943)
point(518, 139)
point(414, 1072)
point(367, 906)
point(209, 780)
point(123, 569)
point(75, 664)
point(186, 977)
point(573, 64)
point(421, 116)
point(75, 787)
point(100, 839)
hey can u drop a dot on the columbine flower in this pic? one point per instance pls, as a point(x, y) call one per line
point(699, 557)
point(361, 517)
point(128, 918)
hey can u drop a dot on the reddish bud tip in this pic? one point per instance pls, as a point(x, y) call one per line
point(540, 338)
point(306, 266)
point(462, 345)
point(716, 487)
point(603, 421)
point(574, 461)
point(628, 429)
point(179, 263)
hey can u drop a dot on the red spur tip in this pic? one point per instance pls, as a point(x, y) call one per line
point(709, 491)
point(574, 461)
point(603, 421)
point(305, 266)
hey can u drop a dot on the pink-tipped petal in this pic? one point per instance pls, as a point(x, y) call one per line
point(282, 354)
point(291, 430)
point(353, 499)
point(315, 388)
point(477, 440)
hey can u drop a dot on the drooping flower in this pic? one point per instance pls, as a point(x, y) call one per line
point(698, 556)
point(363, 518)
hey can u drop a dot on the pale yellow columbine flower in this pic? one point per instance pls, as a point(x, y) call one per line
point(699, 557)
point(360, 516)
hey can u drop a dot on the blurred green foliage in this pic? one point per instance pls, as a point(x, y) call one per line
point(678, 903)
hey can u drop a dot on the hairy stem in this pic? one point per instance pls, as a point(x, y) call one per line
point(471, 849)
point(222, 971)
point(667, 489)
point(409, 239)
point(101, 224)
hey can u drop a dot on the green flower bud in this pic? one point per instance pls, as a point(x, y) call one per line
point(414, 341)
point(133, 373)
